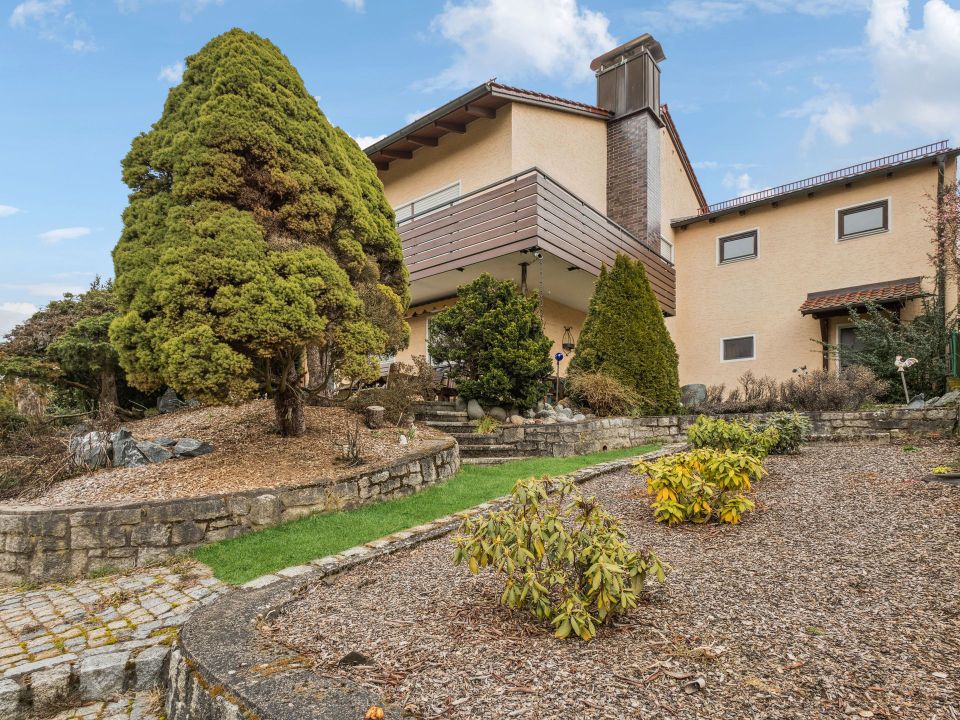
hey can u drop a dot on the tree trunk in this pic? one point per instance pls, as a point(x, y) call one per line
point(320, 378)
point(107, 400)
point(288, 404)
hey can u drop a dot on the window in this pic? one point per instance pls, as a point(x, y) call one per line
point(848, 339)
point(666, 249)
point(428, 202)
point(863, 220)
point(738, 247)
point(738, 348)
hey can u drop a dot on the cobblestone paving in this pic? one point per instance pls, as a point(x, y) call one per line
point(55, 620)
point(80, 641)
point(131, 706)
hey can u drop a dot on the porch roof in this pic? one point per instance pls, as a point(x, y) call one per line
point(881, 293)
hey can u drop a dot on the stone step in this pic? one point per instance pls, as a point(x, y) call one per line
point(428, 407)
point(441, 416)
point(496, 450)
point(489, 460)
point(452, 427)
point(472, 438)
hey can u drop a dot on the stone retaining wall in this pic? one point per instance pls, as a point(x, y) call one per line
point(575, 438)
point(38, 544)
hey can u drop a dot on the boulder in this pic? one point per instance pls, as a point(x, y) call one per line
point(516, 420)
point(498, 413)
point(693, 395)
point(460, 404)
point(546, 414)
point(169, 402)
point(565, 412)
point(189, 448)
point(165, 441)
point(91, 450)
point(154, 452)
point(529, 414)
point(125, 451)
point(951, 398)
point(474, 411)
point(579, 417)
point(917, 403)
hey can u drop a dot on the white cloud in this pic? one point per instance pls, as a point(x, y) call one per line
point(67, 233)
point(742, 184)
point(365, 141)
point(416, 115)
point(676, 15)
point(14, 313)
point(510, 39)
point(915, 72)
point(357, 5)
point(706, 165)
point(188, 8)
point(53, 20)
point(8, 210)
point(171, 73)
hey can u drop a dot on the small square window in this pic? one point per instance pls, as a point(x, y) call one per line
point(738, 247)
point(738, 348)
point(863, 220)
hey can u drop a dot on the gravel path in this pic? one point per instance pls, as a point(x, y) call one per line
point(839, 597)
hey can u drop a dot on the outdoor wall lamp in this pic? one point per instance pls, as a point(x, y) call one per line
point(567, 343)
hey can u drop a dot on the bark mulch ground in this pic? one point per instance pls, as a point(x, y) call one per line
point(248, 454)
point(839, 597)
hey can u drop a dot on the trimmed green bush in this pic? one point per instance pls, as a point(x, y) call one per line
point(733, 435)
point(494, 344)
point(792, 428)
point(624, 336)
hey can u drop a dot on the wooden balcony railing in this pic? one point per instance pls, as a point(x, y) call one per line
point(518, 213)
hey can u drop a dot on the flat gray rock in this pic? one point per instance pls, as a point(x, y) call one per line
point(154, 452)
point(188, 448)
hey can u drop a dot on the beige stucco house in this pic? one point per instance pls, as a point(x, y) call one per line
point(544, 191)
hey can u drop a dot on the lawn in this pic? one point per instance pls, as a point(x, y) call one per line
point(294, 543)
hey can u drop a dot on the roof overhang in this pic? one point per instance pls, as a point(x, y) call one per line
point(828, 303)
point(453, 117)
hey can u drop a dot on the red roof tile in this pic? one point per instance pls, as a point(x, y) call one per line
point(879, 293)
point(553, 99)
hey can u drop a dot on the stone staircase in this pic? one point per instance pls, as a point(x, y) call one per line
point(475, 449)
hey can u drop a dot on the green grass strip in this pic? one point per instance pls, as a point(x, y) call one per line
point(241, 559)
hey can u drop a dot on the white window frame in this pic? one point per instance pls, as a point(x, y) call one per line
point(669, 244)
point(752, 336)
point(457, 184)
point(739, 259)
point(426, 339)
point(869, 233)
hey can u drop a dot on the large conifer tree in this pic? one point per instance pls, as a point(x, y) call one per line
point(624, 335)
point(254, 230)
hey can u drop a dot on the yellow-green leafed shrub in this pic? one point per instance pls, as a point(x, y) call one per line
point(719, 434)
point(701, 485)
point(566, 560)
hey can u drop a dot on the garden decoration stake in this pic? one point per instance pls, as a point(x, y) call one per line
point(902, 366)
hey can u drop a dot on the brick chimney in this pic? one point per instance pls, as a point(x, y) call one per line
point(628, 85)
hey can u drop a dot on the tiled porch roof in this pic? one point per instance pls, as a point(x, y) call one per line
point(880, 293)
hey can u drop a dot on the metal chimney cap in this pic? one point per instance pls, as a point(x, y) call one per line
point(645, 41)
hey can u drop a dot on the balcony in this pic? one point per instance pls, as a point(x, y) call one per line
point(497, 229)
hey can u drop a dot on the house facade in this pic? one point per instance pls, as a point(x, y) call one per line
point(544, 191)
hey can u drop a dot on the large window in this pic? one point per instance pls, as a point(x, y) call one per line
point(737, 247)
point(428, 202)
point(738, 348)
point(863, 220)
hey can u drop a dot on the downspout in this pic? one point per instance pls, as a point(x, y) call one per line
point(942, 259)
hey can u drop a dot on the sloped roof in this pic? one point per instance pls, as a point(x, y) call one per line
point(879, 293)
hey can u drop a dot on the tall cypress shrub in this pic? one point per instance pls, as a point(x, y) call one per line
point(624, 336)
point(254, 230)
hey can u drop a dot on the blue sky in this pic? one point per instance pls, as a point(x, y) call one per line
point(763, 91)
